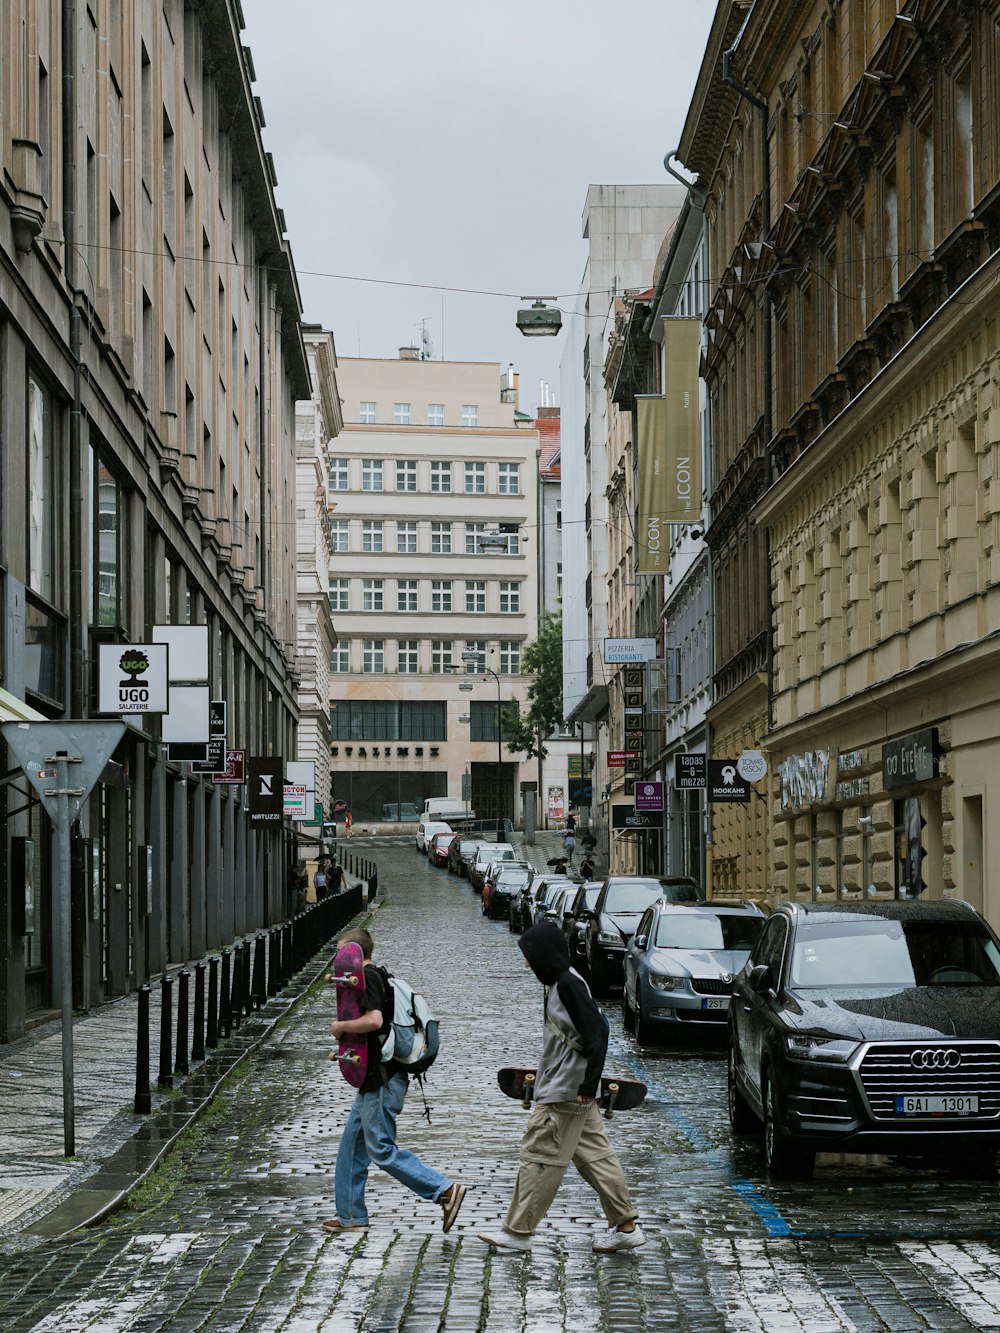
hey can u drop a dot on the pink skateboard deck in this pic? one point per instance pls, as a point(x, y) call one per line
point(349, 979)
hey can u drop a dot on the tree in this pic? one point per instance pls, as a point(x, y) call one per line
point(543, 659)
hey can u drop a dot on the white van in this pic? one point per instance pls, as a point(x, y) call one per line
point(442, 806)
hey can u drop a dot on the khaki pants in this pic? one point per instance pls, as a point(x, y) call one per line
point(558, 1134)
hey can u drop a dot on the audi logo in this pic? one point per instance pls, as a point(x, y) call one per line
point(937, 1057)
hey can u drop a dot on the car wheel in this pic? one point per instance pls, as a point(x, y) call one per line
point(643, 1030)
point(781, 1156)
point(741, 1119)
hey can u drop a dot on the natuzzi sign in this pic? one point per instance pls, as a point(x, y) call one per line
point(910, 759)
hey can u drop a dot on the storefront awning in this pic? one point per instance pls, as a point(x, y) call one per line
point(13, 709)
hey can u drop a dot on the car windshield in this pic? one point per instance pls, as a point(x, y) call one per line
point(881, 952)
point(468, 848)
point(632, 895)
point(697, 930)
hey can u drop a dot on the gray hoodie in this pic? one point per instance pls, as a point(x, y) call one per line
point(576, 1031)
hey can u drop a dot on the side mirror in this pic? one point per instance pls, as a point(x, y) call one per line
point(586, 914)
point(760, 979)
point(641, 941)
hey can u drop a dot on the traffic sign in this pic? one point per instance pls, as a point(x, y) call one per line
point(87, 746)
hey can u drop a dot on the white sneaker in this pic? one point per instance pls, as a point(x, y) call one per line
point(614, 1240)
point(506, 1240)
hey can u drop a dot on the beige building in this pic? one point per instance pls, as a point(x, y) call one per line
point(318, 422)
point(433, 580)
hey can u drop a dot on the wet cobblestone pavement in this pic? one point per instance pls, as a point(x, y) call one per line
point(227, 1237)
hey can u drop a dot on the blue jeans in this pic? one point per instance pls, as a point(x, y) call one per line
point(370, 1136)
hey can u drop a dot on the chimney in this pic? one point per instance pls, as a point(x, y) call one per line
point(409, 354)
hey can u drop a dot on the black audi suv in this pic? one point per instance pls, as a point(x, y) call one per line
point(868, 1027)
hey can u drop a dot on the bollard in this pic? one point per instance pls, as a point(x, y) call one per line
point(142, 1104)
point(372, 885)
point(181, 1065)
point(212, 1025)
point(248, 1004)
point(165, 1078)
point(258, 988)
point(198, 1037)
point(236, 994)
point(272, 962)
point(225, 1004)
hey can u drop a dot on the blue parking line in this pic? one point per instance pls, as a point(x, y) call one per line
point(767, 1214)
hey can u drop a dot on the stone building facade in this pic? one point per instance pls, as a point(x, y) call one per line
point(151, 355)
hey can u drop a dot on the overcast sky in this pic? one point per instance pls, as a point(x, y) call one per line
point(451, 144)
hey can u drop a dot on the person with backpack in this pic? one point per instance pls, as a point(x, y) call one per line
point(569, 845)
point(566, 1124)
point(370, 1130)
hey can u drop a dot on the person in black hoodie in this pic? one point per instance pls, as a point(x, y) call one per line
point(565, 1124)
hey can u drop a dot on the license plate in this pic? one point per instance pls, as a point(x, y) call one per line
point(716, 1002)
point(942, 1105)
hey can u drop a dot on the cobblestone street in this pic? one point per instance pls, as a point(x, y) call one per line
point(227, 1234)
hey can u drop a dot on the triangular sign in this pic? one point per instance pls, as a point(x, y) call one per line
point(87, 746)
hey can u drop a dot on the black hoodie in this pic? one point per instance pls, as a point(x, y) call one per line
point(576, 1031)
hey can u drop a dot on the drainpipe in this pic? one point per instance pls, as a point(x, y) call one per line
point(76, 489)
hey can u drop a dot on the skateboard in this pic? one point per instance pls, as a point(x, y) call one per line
point(349, 978)
point(617, 1094)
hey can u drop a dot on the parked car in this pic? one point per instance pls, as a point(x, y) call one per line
point(503, 883)
point(485, 853)
point(461, 851)
point(401, 812)
point(868, 1027)
point(619, 906)
point(522, 908)
point(437, 848)
point(556, 904)
point(547, 895)
point(574, 924)
point(680, 964)
point(426, 830)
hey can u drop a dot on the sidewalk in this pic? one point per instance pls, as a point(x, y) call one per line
point(40, 1188)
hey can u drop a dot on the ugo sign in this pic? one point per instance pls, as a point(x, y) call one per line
point(132, 678)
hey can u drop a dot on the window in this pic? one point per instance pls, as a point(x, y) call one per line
point(401, 414)
point(510, 657)
point(406, 475)
point(441, 595)
point(473, 531)
point(109, 542)
point(406, 595)
point(441, 478)
point(406, 538)
point(435, 414)
point(441, 538)
point(475, 596)
point(407, 657)
point(373, 658)
point(509, 478)
point(485, 717)
point(338, 474)
point(43, 493)
point(477, 647)
point(340, 595)
point(372, 595)
point(441, 655)
point(470, 414)
point(371, 534)
point(367, 414)
point(340, 659)
point(339, 534)
point(475, 478)
point(371, 474)
point(513, 534)
point(510, 598)
point(388, 720)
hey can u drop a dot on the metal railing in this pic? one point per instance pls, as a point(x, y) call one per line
point(236, 982)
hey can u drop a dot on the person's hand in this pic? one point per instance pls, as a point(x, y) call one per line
point(583, 1101)
point(336, 1029)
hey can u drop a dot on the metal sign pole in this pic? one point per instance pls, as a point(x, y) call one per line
point(62, 795)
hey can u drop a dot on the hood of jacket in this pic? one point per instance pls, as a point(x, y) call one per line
point(545, 949)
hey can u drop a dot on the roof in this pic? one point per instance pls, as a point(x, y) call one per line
point(549, 443)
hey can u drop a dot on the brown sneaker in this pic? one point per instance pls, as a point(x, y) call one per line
point(451, 1202)
point(336, 1227)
